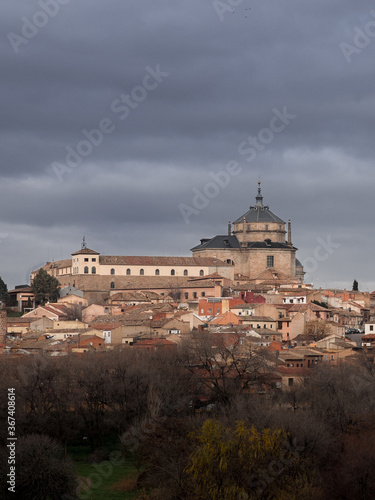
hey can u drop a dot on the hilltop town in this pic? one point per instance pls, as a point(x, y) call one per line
point(226, 356)
point(245, 288)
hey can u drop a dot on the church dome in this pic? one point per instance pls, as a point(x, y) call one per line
point(259, 212)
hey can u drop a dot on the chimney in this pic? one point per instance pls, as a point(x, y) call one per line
point(290, 234)
point(229, 229)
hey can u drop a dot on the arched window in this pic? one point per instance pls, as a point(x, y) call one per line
point(112, 271)
point(173, 272)
point(142, 272)
point(201, 272)
point(185, 272)
point(93, 270)
point(112, 284)
point(86, 270)
point(157, 272)
point(128, 272)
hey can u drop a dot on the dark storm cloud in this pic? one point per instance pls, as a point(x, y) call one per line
point(227, 72)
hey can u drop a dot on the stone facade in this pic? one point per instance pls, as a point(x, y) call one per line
point(256, 244)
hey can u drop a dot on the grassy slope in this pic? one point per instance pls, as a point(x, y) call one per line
point(113, 481)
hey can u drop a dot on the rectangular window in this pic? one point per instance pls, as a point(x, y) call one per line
point(371, 328)
point(93, 259)
point(269, 260)
point(86, 259)
point(290, 382)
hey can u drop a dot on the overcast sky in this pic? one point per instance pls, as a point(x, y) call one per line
point(119, 119)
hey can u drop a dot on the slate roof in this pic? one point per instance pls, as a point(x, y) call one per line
point(219, 241)
point(259, 214)
point(225, 241)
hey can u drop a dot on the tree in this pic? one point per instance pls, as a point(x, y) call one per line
point(42, 471)
point(3, 291)
point(317, 329)
point(242, 462)
point(355, 286)
point(223, 366)
point(46, 288)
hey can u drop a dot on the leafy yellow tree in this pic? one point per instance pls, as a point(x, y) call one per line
point(242, 462)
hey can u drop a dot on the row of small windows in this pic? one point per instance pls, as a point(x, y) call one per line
point(157, 272)
point(141, 272)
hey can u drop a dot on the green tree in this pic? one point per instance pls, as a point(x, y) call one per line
point(355, 286)
point(46, 288)
point(3, 291)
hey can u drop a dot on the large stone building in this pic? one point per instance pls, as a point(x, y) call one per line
point(255, 251)
point(101, 276)
point(257, 246)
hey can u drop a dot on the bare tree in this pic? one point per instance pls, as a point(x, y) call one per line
point(317, 329)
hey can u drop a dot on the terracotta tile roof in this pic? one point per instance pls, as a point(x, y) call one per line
point(86, 251)
point(228, 318)
point(59, 264)
point(18, 321)
point(258, 318)
point(134, 260)
point(307, 307)
point(154, 342)
point(135, 295)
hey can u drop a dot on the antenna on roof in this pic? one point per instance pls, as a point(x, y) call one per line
point(83, 246)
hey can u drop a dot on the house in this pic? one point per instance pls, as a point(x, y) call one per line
point(18, 326)
point(370, 328)
point(73, 299)
point(22, 298)
point(266, 335)
point(87, 343)
point(228, 318)
point(368, 340)
point(259, 322)
point(51, 310)
point(41, 324)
